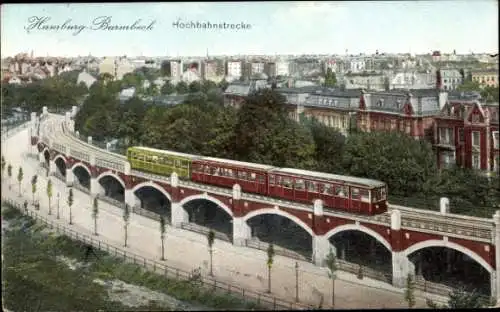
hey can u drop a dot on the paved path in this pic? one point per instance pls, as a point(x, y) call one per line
point(187, 250)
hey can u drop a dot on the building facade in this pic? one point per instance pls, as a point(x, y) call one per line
point(176, 69)
point(108, 66)
point(450, 79)
point(486, 77)
point(410, 112)
point(234, 69)
point(466, 134)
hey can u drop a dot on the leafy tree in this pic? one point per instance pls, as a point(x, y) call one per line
point(166, 68)
point(49, 194)
point(181, 87)
point(208, 85)
point(152, 90)
point(270, 259)
point(407, 170)
point(70, 204)
point(33, 186)
point(162, 235)
point(126, 220)
point(194, 87)
point(223, 84)
point(210, 241)
point(9, 173)
point(95, 212)
point(469, 86)
point(4, 163)
point(167, 88)
point(331, 264)
point(468, 189)
point(329, 145)
point(264, 133)
point(410, 291)
point(330, 78)
point(460, 298)
point(490, 94)
point(20, 176)
point(129, 125)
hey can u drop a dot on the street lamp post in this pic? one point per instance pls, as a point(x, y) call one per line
point(296, 282)
point(58, 197)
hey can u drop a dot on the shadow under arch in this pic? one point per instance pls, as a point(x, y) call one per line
point(283, 229)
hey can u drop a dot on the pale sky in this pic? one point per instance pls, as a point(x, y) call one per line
point(276, 27)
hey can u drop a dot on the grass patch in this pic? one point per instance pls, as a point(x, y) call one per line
point(33, 252)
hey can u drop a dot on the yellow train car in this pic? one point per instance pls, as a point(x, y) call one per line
point(160, 162)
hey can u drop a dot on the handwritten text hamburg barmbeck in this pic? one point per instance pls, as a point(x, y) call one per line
point(100, 23)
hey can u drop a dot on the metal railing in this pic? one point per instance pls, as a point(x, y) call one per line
point(193, 227)
point(366, 271)
point(257, 244)
point(262, 299)
point(149, 214)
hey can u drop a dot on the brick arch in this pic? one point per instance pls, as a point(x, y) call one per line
point(282, 213)
point(361, 228)
point(210, 198)
point(80, 164)
point(153, 185)
point(44, 150)
point(61, 156)
point(452, 245)
point(40, 146)
point(111, 174)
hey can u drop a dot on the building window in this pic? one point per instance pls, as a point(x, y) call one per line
point(496, 162)
point(475, 138)
point(495, 139)
point(461, 135)
point(475, 117)
point(446, 136)
point(448, 159)
point(476, 164)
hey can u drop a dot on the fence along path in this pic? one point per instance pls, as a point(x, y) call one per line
point(161, 268)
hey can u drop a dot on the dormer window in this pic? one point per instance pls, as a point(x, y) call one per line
point(398, 103)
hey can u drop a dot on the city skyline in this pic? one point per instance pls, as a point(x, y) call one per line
point(319, 28)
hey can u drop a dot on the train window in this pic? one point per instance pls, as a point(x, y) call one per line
point(216, 171)
point(287, 182)
point(252, 176)
point(184, 164)
point(242, 175)
point(328, 189)
point(177, 163)
point(311, 187)
point(154, 159)
point(355, 193)
point(365, 195)
point(341, 191)
point(300, 184)
point(261, 179)
point(383, 193)
point(168, 162)
point(207, 169)
point(271, 180)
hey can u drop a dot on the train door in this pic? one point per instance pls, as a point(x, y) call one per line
point(300, 189)
point(275, 189)
point(354, 199)
point(287, 183)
